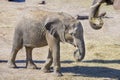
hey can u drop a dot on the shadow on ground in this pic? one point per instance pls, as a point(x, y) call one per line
point(67, 61)
point(99, 72)
point(86, 71)
point(3, 61)
point(95, 71)
point(22, 61)
point(103, 61)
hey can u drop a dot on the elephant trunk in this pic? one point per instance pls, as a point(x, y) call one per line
point(79, 54)
point(95, 20)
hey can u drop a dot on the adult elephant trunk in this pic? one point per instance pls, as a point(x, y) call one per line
point(79, 54)
point(95, 20)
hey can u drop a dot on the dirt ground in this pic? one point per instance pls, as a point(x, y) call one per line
point(102, 60)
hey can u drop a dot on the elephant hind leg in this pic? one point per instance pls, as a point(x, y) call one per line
point(11, 61)
point(17, 45)
point(29, 62)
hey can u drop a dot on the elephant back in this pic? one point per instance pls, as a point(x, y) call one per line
point(35, 13)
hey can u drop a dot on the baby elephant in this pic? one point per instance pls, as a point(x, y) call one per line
point(39, 28)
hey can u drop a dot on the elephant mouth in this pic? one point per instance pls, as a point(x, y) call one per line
point(71, 42)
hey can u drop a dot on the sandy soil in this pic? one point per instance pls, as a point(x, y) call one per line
point(102, 60)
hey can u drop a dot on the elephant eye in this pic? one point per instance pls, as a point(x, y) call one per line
point(72, 34)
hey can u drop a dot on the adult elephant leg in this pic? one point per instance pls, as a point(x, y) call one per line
point(48, 63)
point(29, 63)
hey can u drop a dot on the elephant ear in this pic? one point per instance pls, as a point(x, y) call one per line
point(55, 27)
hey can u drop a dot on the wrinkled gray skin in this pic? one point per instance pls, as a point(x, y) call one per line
point(95, 19)
point(39, 28)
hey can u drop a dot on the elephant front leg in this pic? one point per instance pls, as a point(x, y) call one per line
point(56, 60)
point(48, 63)
point(54, 45)
point(29, 63)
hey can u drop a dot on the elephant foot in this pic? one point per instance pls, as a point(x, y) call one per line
point(11, 65)
point(57, 74)
point(45, 70)
point(31, 66)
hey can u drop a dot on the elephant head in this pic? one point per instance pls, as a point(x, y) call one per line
point(67, 30)
point(74, 36)
point(95, 19)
